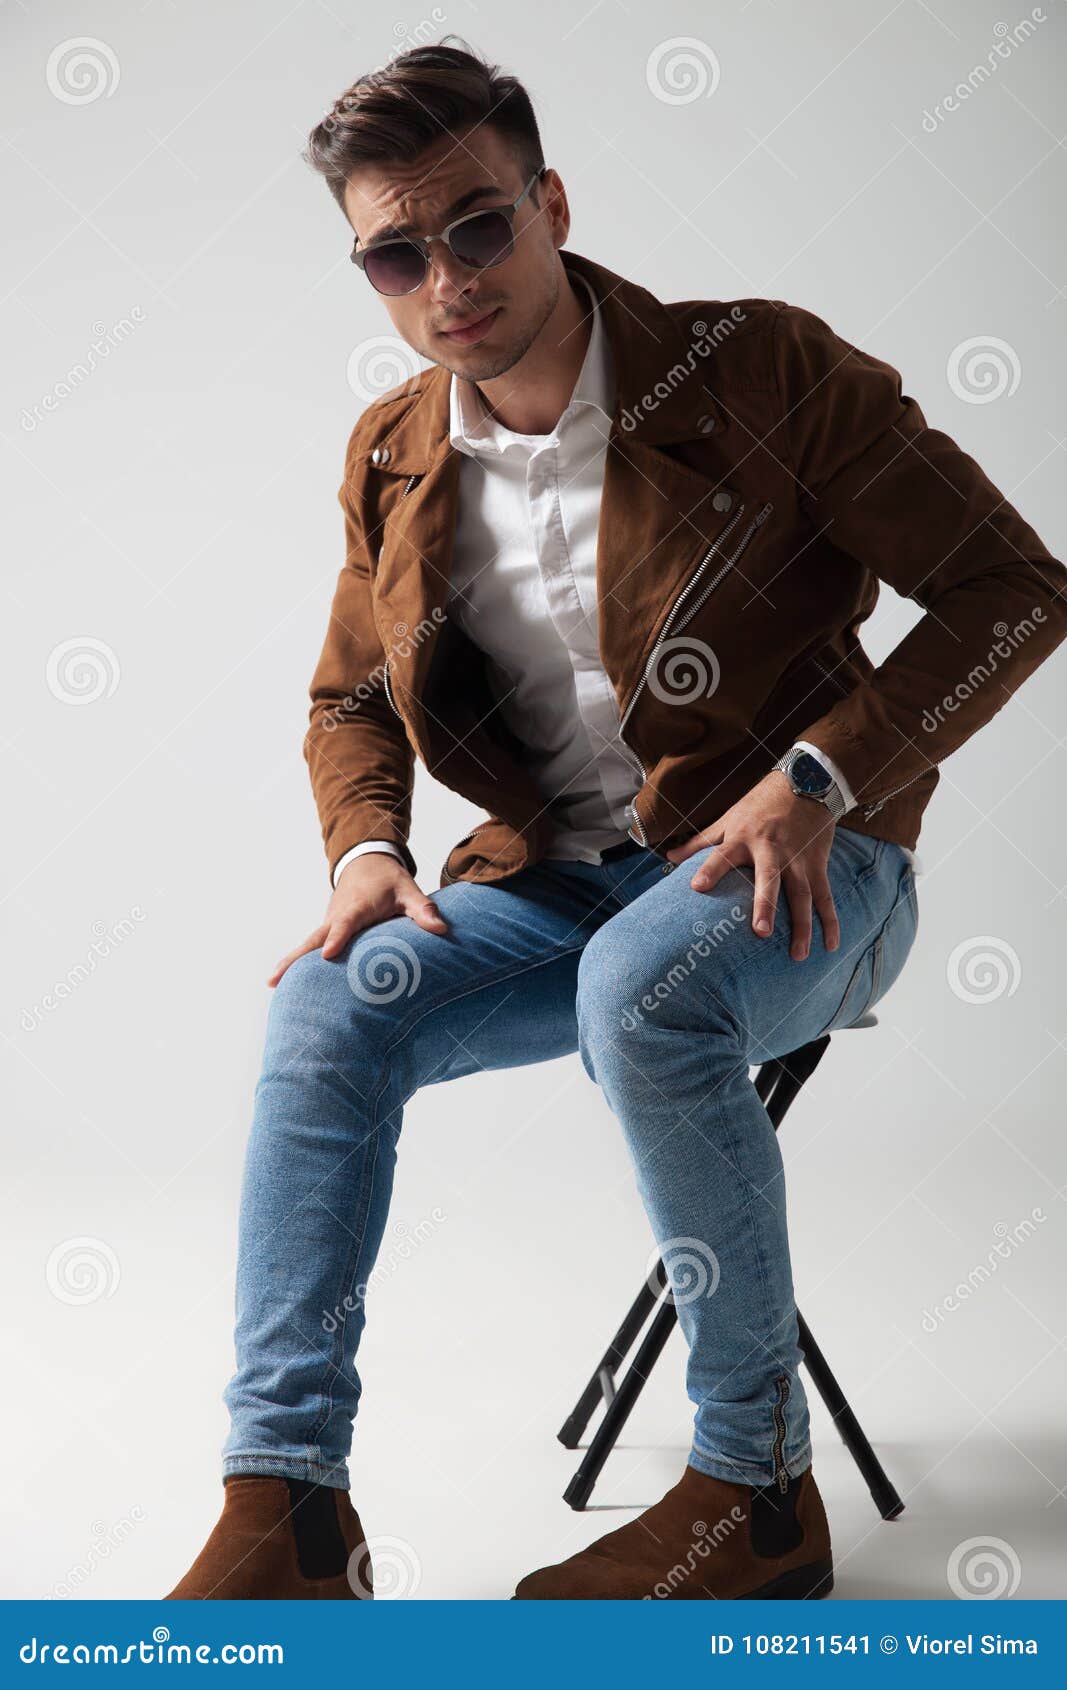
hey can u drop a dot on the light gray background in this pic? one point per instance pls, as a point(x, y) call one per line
point(176, 512)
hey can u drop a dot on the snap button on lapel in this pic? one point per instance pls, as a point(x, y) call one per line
point(385, 454)
point(722, 501)
point(376, 455)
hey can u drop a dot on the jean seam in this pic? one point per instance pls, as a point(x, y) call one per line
point(366, 1196)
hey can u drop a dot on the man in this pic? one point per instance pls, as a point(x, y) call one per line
point(607, 561)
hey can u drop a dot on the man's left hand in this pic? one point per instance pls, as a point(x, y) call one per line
point(787, 840)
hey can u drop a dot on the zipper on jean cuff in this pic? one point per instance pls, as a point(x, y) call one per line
point(781, 1475)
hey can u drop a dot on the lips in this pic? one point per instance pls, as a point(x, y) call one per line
point(472, 330)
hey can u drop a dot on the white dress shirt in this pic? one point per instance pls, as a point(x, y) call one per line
point(523, 588)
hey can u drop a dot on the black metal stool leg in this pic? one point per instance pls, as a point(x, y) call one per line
point(580, 1488)
point(886, 1498)
point(601, 1386)
point(777, 1083)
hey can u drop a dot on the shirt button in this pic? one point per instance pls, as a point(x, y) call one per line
point(722, 501)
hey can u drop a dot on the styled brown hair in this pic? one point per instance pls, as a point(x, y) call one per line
point(399, 110)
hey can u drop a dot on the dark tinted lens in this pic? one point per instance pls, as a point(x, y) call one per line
point(483, 241)
point(394, 267)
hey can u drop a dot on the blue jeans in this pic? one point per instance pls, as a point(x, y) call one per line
point(669, 997)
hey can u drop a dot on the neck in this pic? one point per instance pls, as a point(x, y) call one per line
point(532, 395)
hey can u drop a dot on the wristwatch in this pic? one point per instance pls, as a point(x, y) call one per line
point(811, 779)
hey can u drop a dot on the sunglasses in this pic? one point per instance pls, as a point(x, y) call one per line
point(480, 239)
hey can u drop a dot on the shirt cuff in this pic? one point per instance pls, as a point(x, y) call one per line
point(358, 850)
point(827, 762)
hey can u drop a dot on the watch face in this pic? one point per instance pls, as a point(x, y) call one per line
point(809, 776)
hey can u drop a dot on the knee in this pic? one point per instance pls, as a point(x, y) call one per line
point(641, 1003)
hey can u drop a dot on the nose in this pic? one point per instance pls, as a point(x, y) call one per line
point(448, 277)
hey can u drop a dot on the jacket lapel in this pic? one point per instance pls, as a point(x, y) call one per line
point(658, 516)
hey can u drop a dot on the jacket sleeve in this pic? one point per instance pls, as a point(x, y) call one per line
point(910, 505)
point(356, 749)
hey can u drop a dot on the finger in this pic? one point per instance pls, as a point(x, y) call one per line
point(343, 929)
point(425, 912)
point(720, 861)
point(827, 910)
point(311, 943)
point(768, 884)
point(679, 853)
point(798, 892)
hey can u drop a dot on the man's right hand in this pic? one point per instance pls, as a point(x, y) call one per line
point(373, 887)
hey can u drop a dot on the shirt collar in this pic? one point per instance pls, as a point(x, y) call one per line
point(471, 427)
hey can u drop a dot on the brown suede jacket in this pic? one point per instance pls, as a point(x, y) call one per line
point(762, 476)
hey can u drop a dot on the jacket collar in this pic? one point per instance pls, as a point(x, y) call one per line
point(472, 428)
point(663, 366)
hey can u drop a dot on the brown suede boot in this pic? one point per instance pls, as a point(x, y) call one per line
point(281, 1539)
point(705, 1539)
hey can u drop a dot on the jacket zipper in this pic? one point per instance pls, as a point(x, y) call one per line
point(670, 625)
point(389, 690)
point(467, 836)
point(873, 809)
